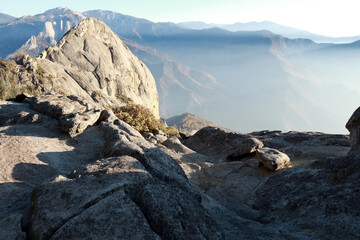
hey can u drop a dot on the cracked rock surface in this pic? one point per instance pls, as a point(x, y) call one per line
point(58, 187)
point(109, 182)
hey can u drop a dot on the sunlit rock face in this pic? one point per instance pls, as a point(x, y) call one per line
point(101, 67)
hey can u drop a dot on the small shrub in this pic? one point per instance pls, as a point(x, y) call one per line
point(140, 118)
point(171, 131)
point(124, 98)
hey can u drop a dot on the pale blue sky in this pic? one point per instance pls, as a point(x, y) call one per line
point(326, 17)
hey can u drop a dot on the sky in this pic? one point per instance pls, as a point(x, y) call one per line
point(332, 18)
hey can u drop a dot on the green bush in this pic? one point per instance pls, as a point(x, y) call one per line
point(138, 117)
point(171, 131)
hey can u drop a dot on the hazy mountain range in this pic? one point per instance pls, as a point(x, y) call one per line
point(4, 18)
point(285, 31)
point(244, 80)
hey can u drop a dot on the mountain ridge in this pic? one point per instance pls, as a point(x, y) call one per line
point(286, 31)
point(5, 18)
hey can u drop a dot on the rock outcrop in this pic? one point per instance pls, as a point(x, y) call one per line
point(98, 62)
point(73, 114)
point(222, 143)
point(89, 62)
point(353, 125)
point(134, 183)
point(320, 199)
point(109, 182)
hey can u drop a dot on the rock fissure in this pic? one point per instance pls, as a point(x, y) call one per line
point(87, 59)
point(83, 209)
point(76, 80)
point(148, 220)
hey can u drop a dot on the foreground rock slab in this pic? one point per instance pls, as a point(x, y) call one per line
point(272, 158)
point(321, 199)
point(122, 187)
point(33, 152)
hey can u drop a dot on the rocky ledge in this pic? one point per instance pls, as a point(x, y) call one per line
point(75, 171)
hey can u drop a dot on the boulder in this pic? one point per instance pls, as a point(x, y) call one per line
point(304, 147)
point(272, 158)
point(75, 123)
point(353, 125)
point(222, 143)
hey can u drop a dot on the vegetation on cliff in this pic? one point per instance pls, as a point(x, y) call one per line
point(141, 118)
point(17, 77)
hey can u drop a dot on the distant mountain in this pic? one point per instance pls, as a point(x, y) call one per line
point(188, 122)
point(137, 29)
point(31, 34)
point(4, 18)
point(285, 31)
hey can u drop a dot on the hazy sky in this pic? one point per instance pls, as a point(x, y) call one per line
point(326, 17)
